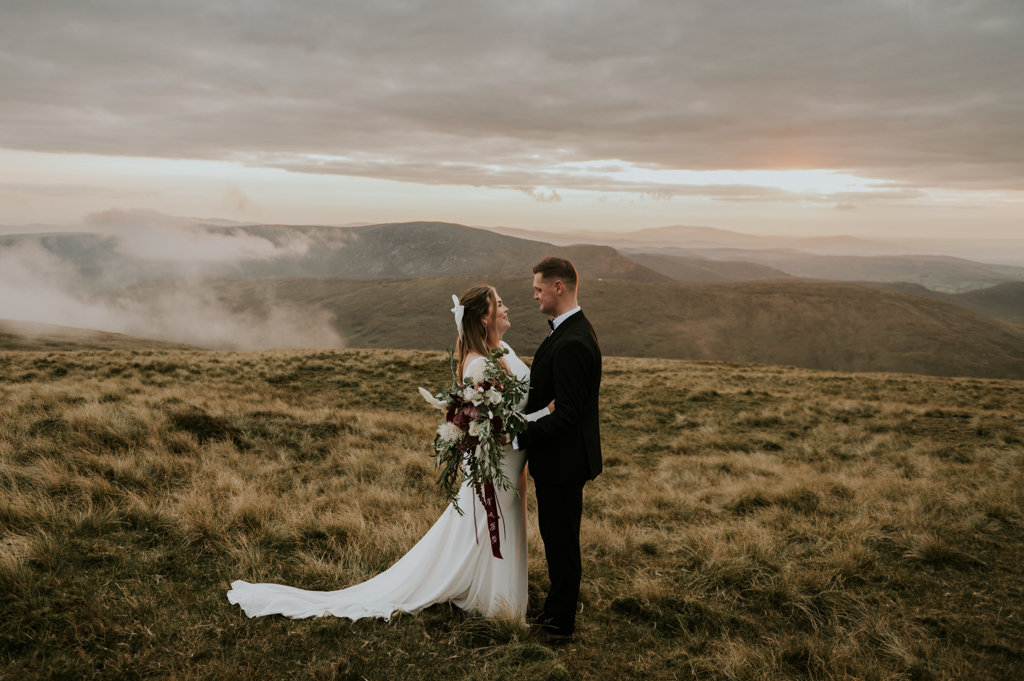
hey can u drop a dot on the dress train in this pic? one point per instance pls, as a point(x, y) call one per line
point(451, 563)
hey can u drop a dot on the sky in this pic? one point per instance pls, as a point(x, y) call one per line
point(801, 117)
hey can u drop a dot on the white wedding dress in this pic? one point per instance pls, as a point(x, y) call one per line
point(451, 563)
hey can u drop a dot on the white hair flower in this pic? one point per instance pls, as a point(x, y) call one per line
point(458, 311)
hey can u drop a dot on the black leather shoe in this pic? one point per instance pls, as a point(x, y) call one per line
point(539, 619)
point(551, 637)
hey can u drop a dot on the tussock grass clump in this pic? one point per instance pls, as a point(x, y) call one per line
point(751, 523)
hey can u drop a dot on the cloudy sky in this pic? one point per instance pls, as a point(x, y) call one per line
point(864, 117)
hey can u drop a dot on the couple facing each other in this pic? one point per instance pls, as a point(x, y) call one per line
point(453, 561)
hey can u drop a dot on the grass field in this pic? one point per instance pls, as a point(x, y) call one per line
point(752, 522)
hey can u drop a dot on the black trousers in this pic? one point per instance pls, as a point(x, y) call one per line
point(559, 511)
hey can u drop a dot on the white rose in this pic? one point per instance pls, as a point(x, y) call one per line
point(493, 396)
point(480, 428)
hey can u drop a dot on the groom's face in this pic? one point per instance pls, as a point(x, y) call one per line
point(544, 292)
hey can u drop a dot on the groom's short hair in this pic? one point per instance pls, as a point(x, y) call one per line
point(553, 267)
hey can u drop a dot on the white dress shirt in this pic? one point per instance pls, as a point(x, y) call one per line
point(562, 317)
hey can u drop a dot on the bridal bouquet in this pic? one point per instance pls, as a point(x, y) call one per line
point(480, 417)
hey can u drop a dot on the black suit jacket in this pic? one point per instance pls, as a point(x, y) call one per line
point(565, 446)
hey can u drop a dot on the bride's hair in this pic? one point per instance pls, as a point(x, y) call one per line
point(480, 302)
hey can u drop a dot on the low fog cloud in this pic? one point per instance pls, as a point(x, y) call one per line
point(156, 237)
point(38, 285)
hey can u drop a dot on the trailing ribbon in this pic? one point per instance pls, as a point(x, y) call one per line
point(490, 503)
point(432, 401)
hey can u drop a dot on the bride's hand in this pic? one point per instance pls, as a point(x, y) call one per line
point(551, 407)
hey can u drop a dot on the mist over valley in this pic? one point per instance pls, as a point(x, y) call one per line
point(223, 285)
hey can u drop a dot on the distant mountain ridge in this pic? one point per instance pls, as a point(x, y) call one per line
point(693, 237)
point(1003, 251)
point(703, 271)
point(104, 261)
point(940, 273)
point(835, 258)
point(417, 249)
point(116, 253)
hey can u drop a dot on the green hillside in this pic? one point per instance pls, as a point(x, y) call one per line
point(815, 325)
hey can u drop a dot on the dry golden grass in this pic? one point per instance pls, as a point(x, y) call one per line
point(752, 522)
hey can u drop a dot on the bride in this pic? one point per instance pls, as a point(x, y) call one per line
point(453, 561)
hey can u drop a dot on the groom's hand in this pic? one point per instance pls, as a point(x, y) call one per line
point(551, 407)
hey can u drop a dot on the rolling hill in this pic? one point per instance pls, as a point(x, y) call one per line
point(419, 249)
point(817, 325)
point(1003, 301)
point(17, 335)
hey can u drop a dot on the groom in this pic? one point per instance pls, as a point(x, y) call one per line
point(563, 448)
